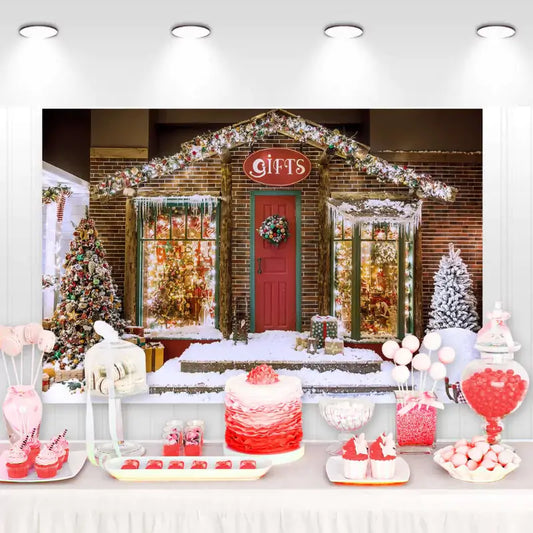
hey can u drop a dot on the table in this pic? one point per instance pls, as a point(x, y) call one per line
point(291, 498)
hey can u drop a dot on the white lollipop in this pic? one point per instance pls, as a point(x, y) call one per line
point(437, 371)
point(403, 356)
point(411, 342)
point(446, 355)
point(421, 361)
point(432, 341)
point(389, 348)
point(400, 374)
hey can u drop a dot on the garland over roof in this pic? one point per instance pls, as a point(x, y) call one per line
point(261, 126)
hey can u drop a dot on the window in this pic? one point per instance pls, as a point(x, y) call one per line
point(177, 264)
point(373, 278)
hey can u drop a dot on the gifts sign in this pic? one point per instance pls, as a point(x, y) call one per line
point(277, 166)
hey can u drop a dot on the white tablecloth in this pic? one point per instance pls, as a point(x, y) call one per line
point(291, 499)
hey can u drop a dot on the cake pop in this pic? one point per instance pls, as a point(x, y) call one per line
point(32, 332)
point(403, 356)
point(389, 348)
point(421, 362)
point(446, 355)
point(411, 342)
point(432, 341)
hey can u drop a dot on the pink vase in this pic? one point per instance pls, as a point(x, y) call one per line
point(23, 411)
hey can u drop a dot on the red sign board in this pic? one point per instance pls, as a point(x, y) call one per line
point(277, 166)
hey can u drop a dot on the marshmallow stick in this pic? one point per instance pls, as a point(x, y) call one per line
point(5, 366)
point(15, 370)
point(32, 357)
point(34, 380)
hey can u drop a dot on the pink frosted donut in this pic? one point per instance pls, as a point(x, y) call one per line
point(491, 456)
point(475, 454)
point(472, 465)
point(488, 464)
point(462, 449)
point(458, 459)
point(47, 341)
point(483, 446)
point(505, 457)
point(11, 345)
point(32, 332)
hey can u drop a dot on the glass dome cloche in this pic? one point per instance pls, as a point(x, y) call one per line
point(126, 363)
point(495, 385)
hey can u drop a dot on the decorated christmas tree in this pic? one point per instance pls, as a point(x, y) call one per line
point(184, 293)
point(453, 304)
point(87, 294)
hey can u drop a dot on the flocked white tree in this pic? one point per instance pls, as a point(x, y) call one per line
point(453, 304)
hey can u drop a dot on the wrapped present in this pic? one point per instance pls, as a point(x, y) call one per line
point(301, 342)
point(333, 346)
point(46, 382)
point(134, 330)
point(155, 356)
point(322, 327)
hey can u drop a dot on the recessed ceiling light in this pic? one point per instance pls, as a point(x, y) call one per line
point(38, 31)
point(343, 31)
point(191, 31)
point(496, 31)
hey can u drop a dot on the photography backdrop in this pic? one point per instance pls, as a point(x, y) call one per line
point(121, 55)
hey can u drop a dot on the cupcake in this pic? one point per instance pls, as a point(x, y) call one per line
point(383, 457)
point(63, 442)
point(172, 445)
point(355, 457)
point(17, 463)
point(46, 463)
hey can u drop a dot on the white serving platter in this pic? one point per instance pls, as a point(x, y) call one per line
point(113, 467)
point(335, 473)
point(76, 460)
point(275, 458)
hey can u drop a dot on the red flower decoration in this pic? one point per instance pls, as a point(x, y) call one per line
point(262, 375)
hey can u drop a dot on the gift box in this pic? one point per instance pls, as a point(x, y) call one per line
point(301, 342)
point(155, 356)
point(322, 327)
point(333, 346)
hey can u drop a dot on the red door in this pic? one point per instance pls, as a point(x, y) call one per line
point(275, 267)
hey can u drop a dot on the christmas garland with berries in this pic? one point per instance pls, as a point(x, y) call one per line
point(274, 229)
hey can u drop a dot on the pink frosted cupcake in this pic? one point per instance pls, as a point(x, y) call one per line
point(46, 463)
point(383, 457)
point(355, 457)
point(63, 442)
point(17, 463)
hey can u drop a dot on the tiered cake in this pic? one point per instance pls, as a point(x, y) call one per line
point(263, 412)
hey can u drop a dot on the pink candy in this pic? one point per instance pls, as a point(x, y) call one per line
point(505, 457)
point(483, 446)
point(472, 465)
point(475, 454)
point(462, 449)
point(488, 464)
point(458, 459)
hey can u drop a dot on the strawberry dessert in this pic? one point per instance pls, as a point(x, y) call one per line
point(199, 465)
point(46, 463)
point(263, 412)
point(355, 457)
point(17, 463)
point(383, 457)
point(176, 465)
point(130, 464)
point(154, 464)
point(223, 465)
point(172, 445)
point(247, 464)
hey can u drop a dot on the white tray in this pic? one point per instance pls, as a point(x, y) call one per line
point(76, 460)
point(335, 473)
point(113, 467)
point(275, 458)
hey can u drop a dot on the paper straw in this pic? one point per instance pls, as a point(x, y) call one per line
point(15, 369)
point(32, 357)
point(34, 381)
point(22, 366)
point(5, 366)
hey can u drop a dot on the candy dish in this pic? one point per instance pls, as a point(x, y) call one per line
point(335, 473)
point(70, 469)
point(480, 474)
point(192, 470)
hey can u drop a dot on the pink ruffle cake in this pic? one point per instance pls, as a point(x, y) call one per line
point(263, 412)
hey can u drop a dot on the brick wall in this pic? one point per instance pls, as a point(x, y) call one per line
point(460, 222)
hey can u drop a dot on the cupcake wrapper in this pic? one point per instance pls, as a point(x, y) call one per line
point(383, 469)
point(355, 469)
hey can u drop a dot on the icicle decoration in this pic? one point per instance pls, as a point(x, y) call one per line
point(155, 205)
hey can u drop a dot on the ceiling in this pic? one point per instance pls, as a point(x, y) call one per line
point(119, 53)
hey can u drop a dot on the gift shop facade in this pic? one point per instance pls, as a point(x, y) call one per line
point(278, 218)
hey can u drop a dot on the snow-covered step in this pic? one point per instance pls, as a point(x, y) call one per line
point(346, 365)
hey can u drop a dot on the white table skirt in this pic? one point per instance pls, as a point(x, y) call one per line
point(291, 499)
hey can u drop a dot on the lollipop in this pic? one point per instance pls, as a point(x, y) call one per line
point(411, 343)
point(432, 341)
point(46, 341)
point(437, 372)
point(446, 355)
point(421, 362)
point(11, 345)
point(18, 331)
point(389, 349)
point(400, 374)
point(403, 356)
point(32, 332)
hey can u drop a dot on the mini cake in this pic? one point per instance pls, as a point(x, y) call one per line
point(46, 463)
point(17, 463)
point(263, 412)
point(355, 457)
point(176, 465)
point(383, 457)
point(172, 445)
point(154, 464)
point(223, 465)
point(130, 464)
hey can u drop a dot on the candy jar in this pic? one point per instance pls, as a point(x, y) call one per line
point(495, 385)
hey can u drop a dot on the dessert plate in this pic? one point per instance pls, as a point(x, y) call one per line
point(335, 473)
point(76, 460)
point(113, 467)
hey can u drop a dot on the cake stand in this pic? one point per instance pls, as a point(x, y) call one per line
point(346, 415)
point(276, 458)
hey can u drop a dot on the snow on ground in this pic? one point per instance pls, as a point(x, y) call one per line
point(185, 332)
point(269, 346)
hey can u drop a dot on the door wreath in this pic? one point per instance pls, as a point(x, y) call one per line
point(274, 229)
